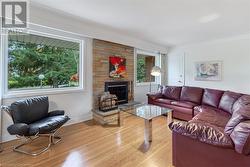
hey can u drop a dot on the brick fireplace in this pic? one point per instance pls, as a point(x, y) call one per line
point(101, 52)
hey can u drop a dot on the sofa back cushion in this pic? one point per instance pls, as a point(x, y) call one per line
point(241, 137)
point(30, 110)
point(227, 101)
point(211, 97)
point(241, 112)
point(191, 94)
point(171, 92)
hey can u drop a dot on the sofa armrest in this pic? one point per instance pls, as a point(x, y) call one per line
point(203, 132)
point(154, 95)
point(20, 129)
point(241, 137)
point(56, 112)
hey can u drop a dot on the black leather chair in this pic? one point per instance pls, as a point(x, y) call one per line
point(32, 120)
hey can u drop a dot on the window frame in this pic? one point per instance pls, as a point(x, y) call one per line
point(157, 56)
point(7, 93)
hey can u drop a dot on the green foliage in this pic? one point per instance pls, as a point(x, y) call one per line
point(141, 72)
point(28, 60)
point(144, 65)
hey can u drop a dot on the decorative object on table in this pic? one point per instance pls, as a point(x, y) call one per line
point(208, 71)
point(40, 122)
point(117, 67)
point(155, 71)
point(107, 102)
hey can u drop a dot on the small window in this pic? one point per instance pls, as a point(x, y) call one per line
point(42, 62)
point(145, 63)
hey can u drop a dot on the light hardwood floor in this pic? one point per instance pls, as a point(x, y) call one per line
point(89, 144)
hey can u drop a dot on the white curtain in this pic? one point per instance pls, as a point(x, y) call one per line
point(164, 69)
point(0, 119)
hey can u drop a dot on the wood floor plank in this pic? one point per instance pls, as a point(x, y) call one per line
point(92, 145)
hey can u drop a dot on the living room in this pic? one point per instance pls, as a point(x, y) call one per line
point(125, 83)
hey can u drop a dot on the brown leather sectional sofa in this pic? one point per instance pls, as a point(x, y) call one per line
point(217, 133)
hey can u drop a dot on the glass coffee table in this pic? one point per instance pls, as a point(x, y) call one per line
point(148, 112)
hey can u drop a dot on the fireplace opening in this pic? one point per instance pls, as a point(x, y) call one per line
point(118, 88)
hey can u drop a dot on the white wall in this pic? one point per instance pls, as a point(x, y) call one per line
point(77, 105)
point(233, 52)
point(141, 91)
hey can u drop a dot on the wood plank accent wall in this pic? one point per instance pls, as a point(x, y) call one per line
point(101, 52)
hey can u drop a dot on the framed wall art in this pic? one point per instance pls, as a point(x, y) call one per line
point(117, 67)
point(208, 71)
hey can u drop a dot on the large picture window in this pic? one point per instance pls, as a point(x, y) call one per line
point(36, 61)
point(145, 61)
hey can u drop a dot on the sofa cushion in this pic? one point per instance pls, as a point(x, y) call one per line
point(241, 112)
point(241, 137)
point(213, 117)
point(30, 110)
point(179, 112)
point(47, 124)
point(20, 129)
point(227, 101)
point(191, 94)
point(203, 132)
point(211, 97)
point(215, 136)
point(162, 100)
point(202, 108)
point(184, 104)
point(171, 92)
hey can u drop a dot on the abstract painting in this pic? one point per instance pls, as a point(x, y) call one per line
point(208, 71)
point(117, 67)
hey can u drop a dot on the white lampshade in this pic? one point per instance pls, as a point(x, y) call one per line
point(156, 71)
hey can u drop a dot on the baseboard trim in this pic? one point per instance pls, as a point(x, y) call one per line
point(79, 118)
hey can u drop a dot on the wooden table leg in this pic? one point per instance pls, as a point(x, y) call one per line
point(148, 130)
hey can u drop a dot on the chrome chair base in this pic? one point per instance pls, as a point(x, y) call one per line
point(52, 140)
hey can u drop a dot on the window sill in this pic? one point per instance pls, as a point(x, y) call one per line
point(146, 84)
point(42, 92)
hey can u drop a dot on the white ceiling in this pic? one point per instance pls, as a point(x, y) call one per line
point(166, 22)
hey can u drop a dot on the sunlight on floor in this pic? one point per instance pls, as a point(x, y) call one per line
point(74, 159)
